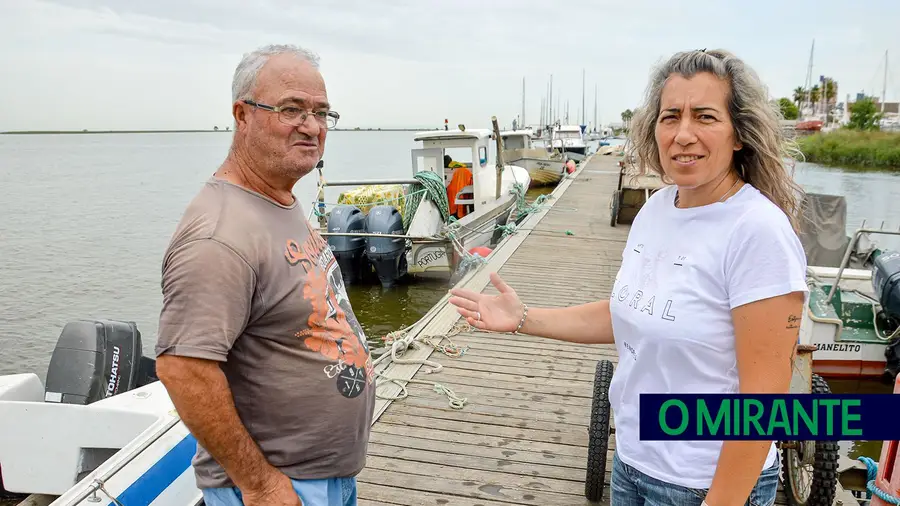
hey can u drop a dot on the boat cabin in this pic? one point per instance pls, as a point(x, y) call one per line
point(516, 139)
point(568, 132)
point(465, 162)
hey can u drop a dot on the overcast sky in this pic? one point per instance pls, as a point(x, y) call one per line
point(157, 64)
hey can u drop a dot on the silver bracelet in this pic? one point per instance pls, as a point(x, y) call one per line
point(522, 321)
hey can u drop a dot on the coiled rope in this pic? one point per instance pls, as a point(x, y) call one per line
point(433, 186)
point(872, 468)
point(400, 342)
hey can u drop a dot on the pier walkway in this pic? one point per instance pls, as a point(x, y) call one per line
point(521, 437)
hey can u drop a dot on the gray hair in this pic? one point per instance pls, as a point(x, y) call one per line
point(248, 69)
point(756, 121)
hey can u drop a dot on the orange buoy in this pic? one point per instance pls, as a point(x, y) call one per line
point(570, 166)
point(482, 251)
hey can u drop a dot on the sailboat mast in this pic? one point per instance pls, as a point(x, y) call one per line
point(582, 96)
point(550, 101)
point(523, 103)
point(884, 84)
point(809, 76)
point(595, 109)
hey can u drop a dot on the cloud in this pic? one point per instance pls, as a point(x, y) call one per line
point(402, 62)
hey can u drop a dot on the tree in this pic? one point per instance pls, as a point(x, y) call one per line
point(627, 114)
point(864, 115)
point(788, 109)
point(799, 95)
point(814, 95)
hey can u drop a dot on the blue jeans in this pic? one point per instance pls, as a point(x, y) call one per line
point(630, 487)
point(327, 492)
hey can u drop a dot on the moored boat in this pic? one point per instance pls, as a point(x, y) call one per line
point(853, 313)
point(426, 225)
point(544, 167)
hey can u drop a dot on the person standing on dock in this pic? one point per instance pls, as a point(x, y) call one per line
point(258, 346)
point(711, 288)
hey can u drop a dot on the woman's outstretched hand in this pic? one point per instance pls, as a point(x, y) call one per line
point(498, 313)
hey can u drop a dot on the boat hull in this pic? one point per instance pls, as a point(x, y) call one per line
point(441, 259)
point(846, 344)
point(543, 172)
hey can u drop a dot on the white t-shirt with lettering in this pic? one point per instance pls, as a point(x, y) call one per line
point(683, 271)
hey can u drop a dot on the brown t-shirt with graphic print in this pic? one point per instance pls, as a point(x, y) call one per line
point(247, 282)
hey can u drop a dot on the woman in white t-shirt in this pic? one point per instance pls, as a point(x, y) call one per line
point(711, 288)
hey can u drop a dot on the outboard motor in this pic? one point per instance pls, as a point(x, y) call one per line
point(387, 254)
point(886, 282)
point(349, 251)
point(96, 359)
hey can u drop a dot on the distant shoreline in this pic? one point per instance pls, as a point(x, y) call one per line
point(54, 132)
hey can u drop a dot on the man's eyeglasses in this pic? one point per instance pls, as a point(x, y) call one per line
point(295, 116)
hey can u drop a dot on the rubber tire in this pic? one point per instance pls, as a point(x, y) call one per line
point(614, 208)
point(598, 433)
point(824, 482)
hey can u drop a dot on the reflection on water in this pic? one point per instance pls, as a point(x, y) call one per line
point(383, 310)
point(854, 449)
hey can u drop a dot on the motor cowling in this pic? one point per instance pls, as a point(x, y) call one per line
point(96, 359)
point(886, 282)
point(386, 253)
point(349, 251)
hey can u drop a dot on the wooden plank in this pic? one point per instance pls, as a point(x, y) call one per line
point(501, 348)
point(483, 487)
point(547, 470)
point(474, 482)
point(559, 415)
point(513, 342)
point(467, 386)
point(452, 432)
point(525, 379)
point(484, 360)
point(569, 432)
point(455, 379)
point(459, 444)
point(418, 418)
point(496, 398)
point(376, 495)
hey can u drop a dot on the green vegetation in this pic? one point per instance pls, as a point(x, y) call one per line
point(864, 115)
point(853, 148)
point(788, 109)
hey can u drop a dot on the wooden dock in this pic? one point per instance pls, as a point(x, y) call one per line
point(521, 438)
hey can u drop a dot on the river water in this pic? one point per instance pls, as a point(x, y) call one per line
point(85, 219)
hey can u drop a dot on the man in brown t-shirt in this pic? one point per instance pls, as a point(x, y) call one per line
point(258, 345)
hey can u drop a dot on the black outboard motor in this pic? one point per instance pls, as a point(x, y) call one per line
point(349, 251)
point(886, 282)
point(96, 359)
point(387, 254)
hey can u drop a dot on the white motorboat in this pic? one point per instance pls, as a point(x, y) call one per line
point(544, 167)
point(569, 140)
point(428, 225)
point(102, 430)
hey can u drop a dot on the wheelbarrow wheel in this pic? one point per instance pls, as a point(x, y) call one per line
point(809, 468)
point(598, 433)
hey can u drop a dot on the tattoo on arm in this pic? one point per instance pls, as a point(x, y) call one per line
point(793, 322)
